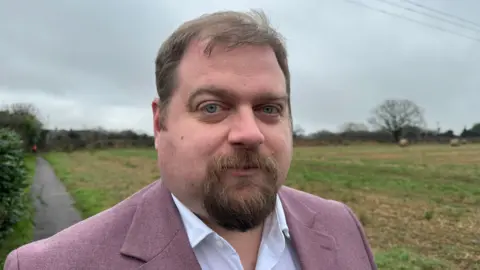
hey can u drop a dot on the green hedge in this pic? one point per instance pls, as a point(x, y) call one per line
point(13, 182)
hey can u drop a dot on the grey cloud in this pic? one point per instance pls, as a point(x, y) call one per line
point(345, 59)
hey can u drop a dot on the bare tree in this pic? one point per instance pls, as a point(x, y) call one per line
point(393, 115)
point(24, 109)
point(353, 127)
point(298, 132)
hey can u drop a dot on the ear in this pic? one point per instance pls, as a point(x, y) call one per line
point(156, 120)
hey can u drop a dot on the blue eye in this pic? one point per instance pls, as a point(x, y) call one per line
point(211, 108)
point(270, 110)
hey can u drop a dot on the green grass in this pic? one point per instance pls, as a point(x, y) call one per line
point(403, 259)
point(23, 230)
point(420, 205)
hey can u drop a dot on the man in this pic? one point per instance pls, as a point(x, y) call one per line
point(223, 134)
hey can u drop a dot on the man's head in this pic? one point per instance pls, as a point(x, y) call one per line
point(222, 121)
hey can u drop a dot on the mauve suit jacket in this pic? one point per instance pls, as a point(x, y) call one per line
point(145, 231)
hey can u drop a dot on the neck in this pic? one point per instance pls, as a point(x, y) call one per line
point(246, 244)
point(251, 236)
point(237, 236)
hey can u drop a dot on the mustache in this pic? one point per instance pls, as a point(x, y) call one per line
point(245, 159)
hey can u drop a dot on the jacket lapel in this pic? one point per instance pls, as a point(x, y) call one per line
point(157, 235)
point(158, 238)
point(316, 249)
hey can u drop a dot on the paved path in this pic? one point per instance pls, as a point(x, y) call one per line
point(53, 205)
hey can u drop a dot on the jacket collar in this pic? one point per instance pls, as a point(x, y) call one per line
point(158, 237)
point(315, 247)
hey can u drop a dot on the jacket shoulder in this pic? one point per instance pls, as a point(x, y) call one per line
point(330, 214)
point(312, 202)
point(333, 217)
point(11, 262)
point(76, 245)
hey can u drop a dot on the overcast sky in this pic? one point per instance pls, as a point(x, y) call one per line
point(91, 63)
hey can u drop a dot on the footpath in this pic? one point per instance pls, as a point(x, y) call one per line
point(54, 207)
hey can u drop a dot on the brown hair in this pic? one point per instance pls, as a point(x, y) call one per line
point(226, 27)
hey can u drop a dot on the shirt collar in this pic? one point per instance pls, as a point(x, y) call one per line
point(281, 218)
point(197, 230)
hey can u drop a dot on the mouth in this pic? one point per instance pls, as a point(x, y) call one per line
point(249, 167)
point(244, 171)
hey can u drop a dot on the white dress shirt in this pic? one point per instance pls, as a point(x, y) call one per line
point(215, 253)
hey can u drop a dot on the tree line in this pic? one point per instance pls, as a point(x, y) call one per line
point(390, 121)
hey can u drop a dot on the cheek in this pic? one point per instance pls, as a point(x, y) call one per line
point(199, 139)
point(187, 151)
point(280, 143)
point(284, 159)
point(181, 166)
point(280, 140)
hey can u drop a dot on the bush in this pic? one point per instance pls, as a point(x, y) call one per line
point(13, 181)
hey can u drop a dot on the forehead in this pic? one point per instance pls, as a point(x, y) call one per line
point(247, 71)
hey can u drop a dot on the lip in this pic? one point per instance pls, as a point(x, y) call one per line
point(243, 172)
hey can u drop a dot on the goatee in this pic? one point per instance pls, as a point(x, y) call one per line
point(240, 203)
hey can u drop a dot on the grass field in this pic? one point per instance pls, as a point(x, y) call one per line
point(23, 231)
point(420, 205)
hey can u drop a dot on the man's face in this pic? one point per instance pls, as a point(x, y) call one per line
point(227, 145)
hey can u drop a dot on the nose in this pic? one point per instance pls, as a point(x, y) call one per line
point(245, 131)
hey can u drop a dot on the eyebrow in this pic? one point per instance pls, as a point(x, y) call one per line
point(226, 94)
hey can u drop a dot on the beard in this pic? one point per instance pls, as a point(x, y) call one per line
point(240, 203)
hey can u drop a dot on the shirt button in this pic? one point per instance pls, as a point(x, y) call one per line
point(219, 243)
